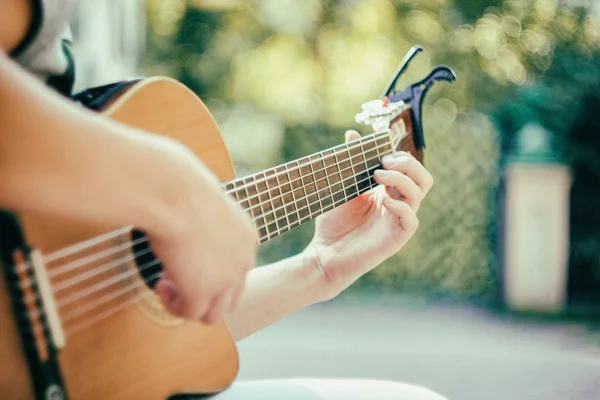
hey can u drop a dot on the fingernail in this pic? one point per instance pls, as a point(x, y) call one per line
point(388, 160)
point(380, 173)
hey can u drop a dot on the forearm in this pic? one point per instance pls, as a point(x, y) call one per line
point(273, 292)
point(58, 159)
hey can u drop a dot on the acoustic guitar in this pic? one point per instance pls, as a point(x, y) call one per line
point(78, 316)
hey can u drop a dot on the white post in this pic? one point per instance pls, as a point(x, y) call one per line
point(536, 233)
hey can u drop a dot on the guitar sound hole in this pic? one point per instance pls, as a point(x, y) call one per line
point(147, 263)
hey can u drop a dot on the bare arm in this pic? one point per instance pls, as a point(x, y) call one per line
point(273, 292)
point(82, 165)
point(86, 166)
point(58, 159)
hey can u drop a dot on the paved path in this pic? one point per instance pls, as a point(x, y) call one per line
point(461, 352)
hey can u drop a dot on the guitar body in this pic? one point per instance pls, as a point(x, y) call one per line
point(139, 352)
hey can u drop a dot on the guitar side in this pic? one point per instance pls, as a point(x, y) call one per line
point(140, 351)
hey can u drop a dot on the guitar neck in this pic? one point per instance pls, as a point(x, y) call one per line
point(282, 198)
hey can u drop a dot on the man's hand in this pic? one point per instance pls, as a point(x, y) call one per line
point(359, 235)
point(209, 249)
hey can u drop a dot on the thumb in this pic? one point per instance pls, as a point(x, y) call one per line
point(166, 290)
point(351, 135)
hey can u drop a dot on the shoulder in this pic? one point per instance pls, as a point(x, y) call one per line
point(20, 21)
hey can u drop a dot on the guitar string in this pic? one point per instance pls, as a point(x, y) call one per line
point(51, 257)
point(69, 267)
point(69, 331)
point(95, 241)
point(96, 303)
point(78, 279)
point(89, 274)
point(111, 296)
point(88, 321)
point(114, 264)
point(78, 295)
point(133, 272)
point(359, 143)
point(86, 260)
point(324, 178)
point(77, 247)
point(333, 156)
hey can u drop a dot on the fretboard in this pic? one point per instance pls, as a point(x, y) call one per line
point(282, 198)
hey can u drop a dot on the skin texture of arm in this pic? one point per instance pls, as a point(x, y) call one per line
point(50, 151)
point(274, 291)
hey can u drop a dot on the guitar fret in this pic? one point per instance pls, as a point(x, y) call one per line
point(357, 158)
point(352, 195)
point(362, 148)
point(339, 171)
point(386, 145)
point(377, 149)
point(348, 172)
point(307, 191)
point(299, 192)
point(330, 189)
point(240, 199)
point(314, 178)
point(281, 198)
point(274, 194)
point(370, 170)
point(229, 186)
point(250, 203)
point(323, 183)
point(295, 204)
point(266, 205)
point(257, 205)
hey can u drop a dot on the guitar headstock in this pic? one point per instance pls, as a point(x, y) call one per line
point(395, 118)
point(400, 112)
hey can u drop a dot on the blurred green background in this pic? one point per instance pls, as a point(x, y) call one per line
point(284, 78)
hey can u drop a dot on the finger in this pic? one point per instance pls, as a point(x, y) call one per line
point(351, 135)
point(393, 193)
point(406, 187)
point(166, 291)
point(410, 166)
point(237, 294)
point(218, 307)
point(407, 218)
point(171, 298)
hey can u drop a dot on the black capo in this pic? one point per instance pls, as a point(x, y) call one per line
point(415, 93)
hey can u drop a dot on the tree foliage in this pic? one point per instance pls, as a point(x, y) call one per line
point(284, 78)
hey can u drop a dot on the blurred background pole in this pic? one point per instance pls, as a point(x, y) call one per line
point(109, 40)
point(536, 233)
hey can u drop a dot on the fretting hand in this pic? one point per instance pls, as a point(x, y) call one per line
point(359, 235)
